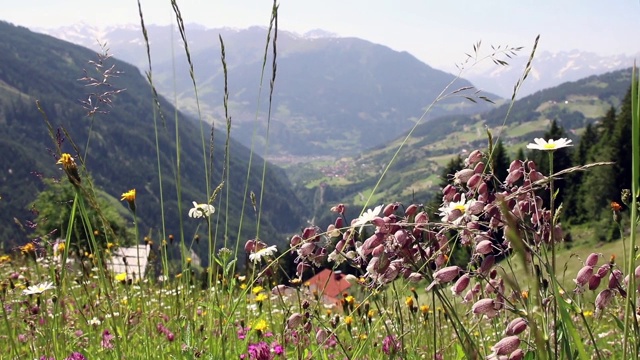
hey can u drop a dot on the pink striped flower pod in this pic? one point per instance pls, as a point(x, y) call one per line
point(485, 307)
point(604, 270)
point(444, 276)
point(594, 281)
point(615, 279)
point(474, 157)
point(518, 354)
point(584, 275)
point(321, 336)
point(462, 176)
point(484, 247)
point(411, 209)
point(294, 320)
point(592, 259)
point(479, 168)
point(461, 285)
point(506, 346)
point(603, 299)
point(486, 265)
point(516, 326)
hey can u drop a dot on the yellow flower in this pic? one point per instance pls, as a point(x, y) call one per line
point(130, 197)
point(5, 258)
point(188, 260)
point(28, 249)
point(257, 289)
point(363, 336)
point(110, 245)
point(350, 300)
point(409, 301)
point(261, 326)
point(348, 320)
point(243, 286)
point(70, 167)
point(371, 313)
point(424, 309)
point(524, 294)
point(261, 297)
point(122, 277)
point(587, 313)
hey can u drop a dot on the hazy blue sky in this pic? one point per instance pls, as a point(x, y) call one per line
point(437, 32)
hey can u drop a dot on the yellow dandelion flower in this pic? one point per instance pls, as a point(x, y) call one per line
point(371, 313)
point(587, 313)
point(28, 249)
point(243, 286)
point(122, 277)
point(5, 258)
point(348, 320)
point(409, 301)
point(257, 289)
point(70, 167)
point(350, 300)
point(424, 309)
point(261, 325)
point(130, 197)
point(261, 297)
point(524, 294)
point(363, 336)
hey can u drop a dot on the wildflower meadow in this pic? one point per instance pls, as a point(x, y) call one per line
point(377, 283)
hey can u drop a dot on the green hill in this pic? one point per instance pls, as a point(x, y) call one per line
point(122, 152)
point(414, 175)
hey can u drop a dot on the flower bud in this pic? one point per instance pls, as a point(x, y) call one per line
point(484, 247)
point(584, 275)
point(603, 299)
point(294, 321)
point(592, 259)
point(460, 285)
point(516, 326)
point(506, 346)
point(594, 281)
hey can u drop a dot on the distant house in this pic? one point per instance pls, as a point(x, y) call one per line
point(130, 260)
point(329, 286)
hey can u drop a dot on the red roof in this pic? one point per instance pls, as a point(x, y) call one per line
point(329, 283)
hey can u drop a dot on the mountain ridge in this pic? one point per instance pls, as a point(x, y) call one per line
point(122, 147)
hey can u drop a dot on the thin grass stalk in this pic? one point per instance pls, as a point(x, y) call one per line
point(271, 86)
point(253, 136)
point(156, 110)
point(635, 188)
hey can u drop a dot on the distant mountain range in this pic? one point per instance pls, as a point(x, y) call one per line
point(333, 96)
point(548, 70)
point(122, 152)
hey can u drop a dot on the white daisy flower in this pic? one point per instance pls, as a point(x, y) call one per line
point(264, 252)
point(455, 210)
point(38, 289)
point(367, 216)
point(542, 144)
point(200, 210)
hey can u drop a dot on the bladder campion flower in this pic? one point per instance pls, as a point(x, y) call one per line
point(130, 197)
point(200, 210)
point(38, 289)
point(551, 145)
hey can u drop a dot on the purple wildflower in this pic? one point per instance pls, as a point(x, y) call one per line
point(75, 356)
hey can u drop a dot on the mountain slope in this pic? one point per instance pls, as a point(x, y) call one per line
point(333, 96)
point(415, 173)
point(121, 151)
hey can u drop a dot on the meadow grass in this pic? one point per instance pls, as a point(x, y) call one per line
point(523, 295)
